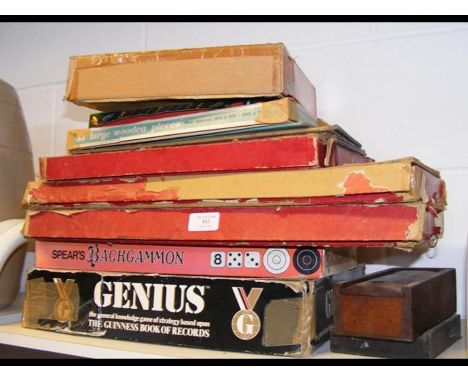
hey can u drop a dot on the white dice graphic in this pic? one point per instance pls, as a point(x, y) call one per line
point(234, 259)
point(252, 260)
point(218, 259)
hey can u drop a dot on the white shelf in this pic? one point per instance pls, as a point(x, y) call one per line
point(14, 334)
point(11, 333)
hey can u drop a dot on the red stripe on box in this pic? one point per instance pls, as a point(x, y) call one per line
point(337, 223)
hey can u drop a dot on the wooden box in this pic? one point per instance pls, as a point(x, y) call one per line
point(427, 346)
point(398, 303)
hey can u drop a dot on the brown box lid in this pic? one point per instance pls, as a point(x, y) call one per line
point(264, 70)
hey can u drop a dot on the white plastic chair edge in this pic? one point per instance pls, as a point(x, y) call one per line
point(11, 238)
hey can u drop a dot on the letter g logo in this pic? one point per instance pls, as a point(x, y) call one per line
point(245, 324)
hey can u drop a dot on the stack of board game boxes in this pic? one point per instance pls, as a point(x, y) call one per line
point(213, 209)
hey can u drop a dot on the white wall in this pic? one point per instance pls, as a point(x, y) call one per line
point(399, 88)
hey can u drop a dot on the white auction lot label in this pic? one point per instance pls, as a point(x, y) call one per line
point(206, 221)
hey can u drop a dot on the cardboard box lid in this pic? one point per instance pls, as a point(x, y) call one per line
point(105, 81)
point(92, 71)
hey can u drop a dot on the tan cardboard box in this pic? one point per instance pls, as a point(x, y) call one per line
point(243, 71)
